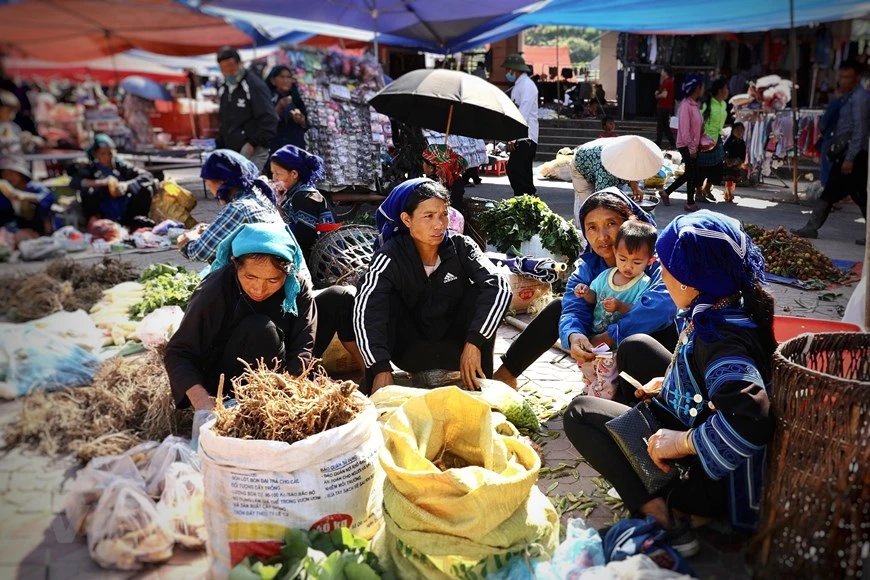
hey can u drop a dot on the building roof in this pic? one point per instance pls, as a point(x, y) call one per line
point(541, 58)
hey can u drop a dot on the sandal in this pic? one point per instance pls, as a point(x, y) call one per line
point(692, 208)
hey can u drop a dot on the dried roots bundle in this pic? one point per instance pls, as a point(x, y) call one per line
point(63, 285)
point(277, 406)
point(128, 402)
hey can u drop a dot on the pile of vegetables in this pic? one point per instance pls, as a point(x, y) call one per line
point(165, 285)
point(794, 257)
point(315, 555)
point(514, 221)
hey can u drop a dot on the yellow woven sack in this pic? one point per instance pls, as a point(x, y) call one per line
point(480, 512)
point(173, 202)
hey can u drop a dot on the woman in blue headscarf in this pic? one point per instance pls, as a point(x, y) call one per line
point(430, 299)
point(246, 199)
point(111, 188)
point(255, 304)
point(304, 208)
point(710, 395)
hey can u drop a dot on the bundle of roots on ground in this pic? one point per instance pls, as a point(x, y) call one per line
point(277, 406)
point(129, 402)
point(63, 285)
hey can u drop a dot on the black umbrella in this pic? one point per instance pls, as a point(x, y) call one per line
point(448, 100)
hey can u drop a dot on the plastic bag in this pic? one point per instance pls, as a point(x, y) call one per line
point(637, 567)
point(126, 531)
point(91, 482)
point(32, 359)
point(582, 549)
point(173, 449)
point(40, 249)
point(510, 402)
point(602, 376)
point(75, 326)
point(72, 240)
point(181, 505)
point(158, 326)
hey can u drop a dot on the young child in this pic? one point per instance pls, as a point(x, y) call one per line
point(608, 123)
point(735, 160)
point(614, 292)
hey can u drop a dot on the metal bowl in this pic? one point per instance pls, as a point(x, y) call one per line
point(649, 204)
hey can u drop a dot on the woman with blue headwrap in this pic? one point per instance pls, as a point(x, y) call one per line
point(111, 188)
point(255, 304)
point(430, 299)
point(304, 208)
point(710, 395)
point(246, 199)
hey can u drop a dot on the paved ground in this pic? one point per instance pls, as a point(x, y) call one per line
point(37, 543)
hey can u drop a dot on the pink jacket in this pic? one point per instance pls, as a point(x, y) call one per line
point(691, 125)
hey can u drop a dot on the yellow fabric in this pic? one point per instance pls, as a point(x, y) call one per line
point(459, 522)
point(173, 202)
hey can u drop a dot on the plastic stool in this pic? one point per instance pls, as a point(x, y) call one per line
point(498, 168)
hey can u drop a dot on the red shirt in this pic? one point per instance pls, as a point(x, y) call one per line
point(668, 101)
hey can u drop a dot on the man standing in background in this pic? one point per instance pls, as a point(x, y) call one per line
point(665, 107)
point(248, 121)
point(522, 151)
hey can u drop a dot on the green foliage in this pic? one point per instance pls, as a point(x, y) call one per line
point(314, 555)
point(515, 220)
point(165, 285)
point(582, 43)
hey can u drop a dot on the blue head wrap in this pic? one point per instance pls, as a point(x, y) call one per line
point(309, 166)
point(710, 252)
point(273, 238)
point(589, 254)
point(388, 217)
point(690, 83)
point(100, 140)
point(234, 170)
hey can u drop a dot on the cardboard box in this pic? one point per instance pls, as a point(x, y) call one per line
point(525, 291)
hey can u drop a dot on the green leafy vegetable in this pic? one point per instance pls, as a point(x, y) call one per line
point(314, 555)
point(167, 289)
point(160, 269)
point(514, 221)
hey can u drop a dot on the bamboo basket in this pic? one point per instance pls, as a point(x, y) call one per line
point(815, 510)
point(342, 255)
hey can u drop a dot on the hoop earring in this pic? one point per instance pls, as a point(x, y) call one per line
point(683, 287)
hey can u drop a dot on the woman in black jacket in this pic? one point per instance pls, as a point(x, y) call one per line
point(292, 116)
point(255, 304)
point(430, 299)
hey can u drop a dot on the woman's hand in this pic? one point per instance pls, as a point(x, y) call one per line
point(470, 367)
point(298, 117)
point(581, 348)
point(667, 444)
point(381, 380)
point(200, 399)
point(650, 390)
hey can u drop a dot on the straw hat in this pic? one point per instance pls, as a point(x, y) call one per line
point(631, 157)
point(515, 61)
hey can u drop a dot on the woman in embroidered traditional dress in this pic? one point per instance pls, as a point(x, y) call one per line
point(710, 395)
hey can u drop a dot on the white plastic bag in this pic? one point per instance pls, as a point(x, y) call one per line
point(158, 326)
point(173, 449)
point(126, 532)
point(255, 490)
point(181, 505)
point(91, 482)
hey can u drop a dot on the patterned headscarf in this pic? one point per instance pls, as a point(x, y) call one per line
point(690, 84)
point(710, 252)
point(273, 238)
point(388, 217)
point(309, 165)
point(449, 165)
point(234, 170)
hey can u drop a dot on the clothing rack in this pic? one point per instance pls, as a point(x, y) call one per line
point(770, 138)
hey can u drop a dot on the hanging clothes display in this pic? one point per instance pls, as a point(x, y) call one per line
point(769, 136)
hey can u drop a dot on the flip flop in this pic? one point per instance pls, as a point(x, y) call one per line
point(665, 197)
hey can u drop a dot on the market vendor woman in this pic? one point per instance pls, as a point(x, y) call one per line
point(111, 188)
point(255, 304)
point(430, 299)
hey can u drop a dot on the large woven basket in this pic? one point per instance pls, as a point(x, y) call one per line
point(341, 256)
point(815, 511)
